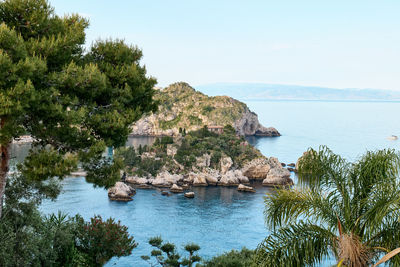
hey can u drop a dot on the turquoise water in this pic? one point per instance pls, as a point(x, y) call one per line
point(220, 219)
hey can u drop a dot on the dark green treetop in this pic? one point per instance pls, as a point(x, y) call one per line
point(70, 100)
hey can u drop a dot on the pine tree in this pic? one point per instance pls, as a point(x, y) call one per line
point(73, 104)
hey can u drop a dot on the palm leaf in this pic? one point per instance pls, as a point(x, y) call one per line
point(301, 244)
point(388, 256)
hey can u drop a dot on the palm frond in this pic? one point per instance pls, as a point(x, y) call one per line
point(301, 244)
point(287, 205)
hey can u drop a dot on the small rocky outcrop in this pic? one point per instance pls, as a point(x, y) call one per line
point(121, 192)
point(189, 194)
point(245, 188)
point(176, 189)
point(278, 176)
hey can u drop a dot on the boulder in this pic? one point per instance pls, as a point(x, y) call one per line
point(257, 172)
point(164, 193)
point(211, 179)
point(200, 180)
point(189, 194)
point(274, 163)
point(176, 189)
point(292, 165)
point(283, 164)
point(165, 179)
point(245, 188)
point(225, 164)
point(291, 169)
point(121, 192)
point(233, 178)
point(278, 177)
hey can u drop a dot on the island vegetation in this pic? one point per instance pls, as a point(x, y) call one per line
point(200, 158)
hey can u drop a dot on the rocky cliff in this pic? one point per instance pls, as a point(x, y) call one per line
point(183, 107)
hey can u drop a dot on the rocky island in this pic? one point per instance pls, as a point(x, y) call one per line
point(181, 107)
point(199, 158)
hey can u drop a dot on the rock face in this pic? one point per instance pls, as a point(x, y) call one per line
point(244, 188)
point(121, 192)
point(184, 107)
point(203, 161)
point(225, 164)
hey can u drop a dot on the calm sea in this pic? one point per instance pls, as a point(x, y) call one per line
point(221, 219)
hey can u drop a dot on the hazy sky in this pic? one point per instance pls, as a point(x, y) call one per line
point(338, 44)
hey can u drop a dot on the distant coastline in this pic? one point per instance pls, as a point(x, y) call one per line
point(260, 91)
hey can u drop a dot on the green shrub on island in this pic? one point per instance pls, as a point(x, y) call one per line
point(165, 254)
point(188, 148)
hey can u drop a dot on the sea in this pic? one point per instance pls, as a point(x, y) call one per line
point(220, 219)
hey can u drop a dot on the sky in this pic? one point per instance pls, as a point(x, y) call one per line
point(337, 44)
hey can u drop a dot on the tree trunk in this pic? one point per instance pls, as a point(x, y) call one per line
point(4, 166)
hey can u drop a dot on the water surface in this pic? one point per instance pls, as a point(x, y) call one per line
point(220, 219)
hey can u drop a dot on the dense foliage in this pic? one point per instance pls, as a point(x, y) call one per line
point(31, 239)
point(150, 160)
point(234, 258)
point(165, 254)
point(347, 210)
point(68, 99)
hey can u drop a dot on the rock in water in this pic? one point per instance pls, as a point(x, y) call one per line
point(244, 188)
point(121, 192)
point(278, 176)
point(176, 189)
point(189, 194)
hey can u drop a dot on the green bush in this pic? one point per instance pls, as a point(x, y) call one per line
point(233, 258)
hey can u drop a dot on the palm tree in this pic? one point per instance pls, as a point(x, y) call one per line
point(350, 211)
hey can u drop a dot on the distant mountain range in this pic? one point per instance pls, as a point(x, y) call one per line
point(259, 91)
